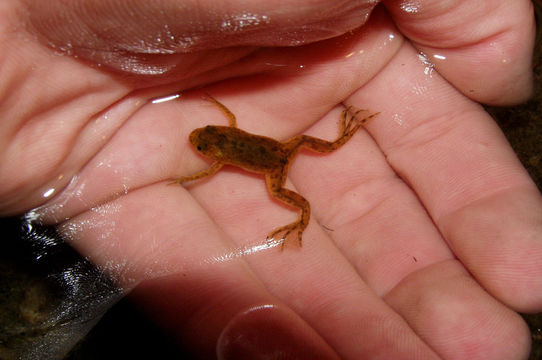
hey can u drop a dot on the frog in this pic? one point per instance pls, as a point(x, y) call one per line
point(229, 145)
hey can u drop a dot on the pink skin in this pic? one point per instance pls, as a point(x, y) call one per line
point(425, 229)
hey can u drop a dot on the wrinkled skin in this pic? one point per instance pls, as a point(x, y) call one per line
point(425, 236)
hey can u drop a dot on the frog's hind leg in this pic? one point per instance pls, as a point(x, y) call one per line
point(231, 117)
point(207, 172)
point(349, 124)
point(291, 198)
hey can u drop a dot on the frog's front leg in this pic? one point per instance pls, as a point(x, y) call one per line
point(274, 184)
point(227, 112)
point(207, 172)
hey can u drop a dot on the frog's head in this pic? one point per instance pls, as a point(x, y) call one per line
point(207, 140)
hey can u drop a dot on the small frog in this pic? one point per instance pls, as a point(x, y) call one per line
point(261, 154)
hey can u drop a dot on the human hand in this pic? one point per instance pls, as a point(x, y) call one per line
point(418, 215)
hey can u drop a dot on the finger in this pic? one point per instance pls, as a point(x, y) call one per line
point(456, 317)
point(153, 39)
point(461, 167)
point(484, 48)
point(158, 240)
point(369, 212)
point(383, 230)
point(316, 280)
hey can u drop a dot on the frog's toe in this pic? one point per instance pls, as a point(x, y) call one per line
point(286, 231)
point(272, 237)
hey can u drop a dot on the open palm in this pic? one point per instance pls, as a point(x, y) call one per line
point(425, 230)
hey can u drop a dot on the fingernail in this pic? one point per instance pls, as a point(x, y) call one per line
point(271, 332)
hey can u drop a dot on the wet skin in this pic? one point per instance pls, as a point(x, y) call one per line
point(263, 155)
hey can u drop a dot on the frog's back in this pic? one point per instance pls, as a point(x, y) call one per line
point(230, 145)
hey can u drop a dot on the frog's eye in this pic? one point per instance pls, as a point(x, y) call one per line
point(199, 147)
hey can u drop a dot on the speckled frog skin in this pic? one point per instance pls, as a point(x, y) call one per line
point(260, 154)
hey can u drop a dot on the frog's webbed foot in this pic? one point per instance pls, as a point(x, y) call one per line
point(286, 230)
point(350, 121)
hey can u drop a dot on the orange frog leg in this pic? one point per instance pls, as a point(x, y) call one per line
point(348, 125)
point(347, 128)
point(211, 170)
point(275, 185)
point(231, 117)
